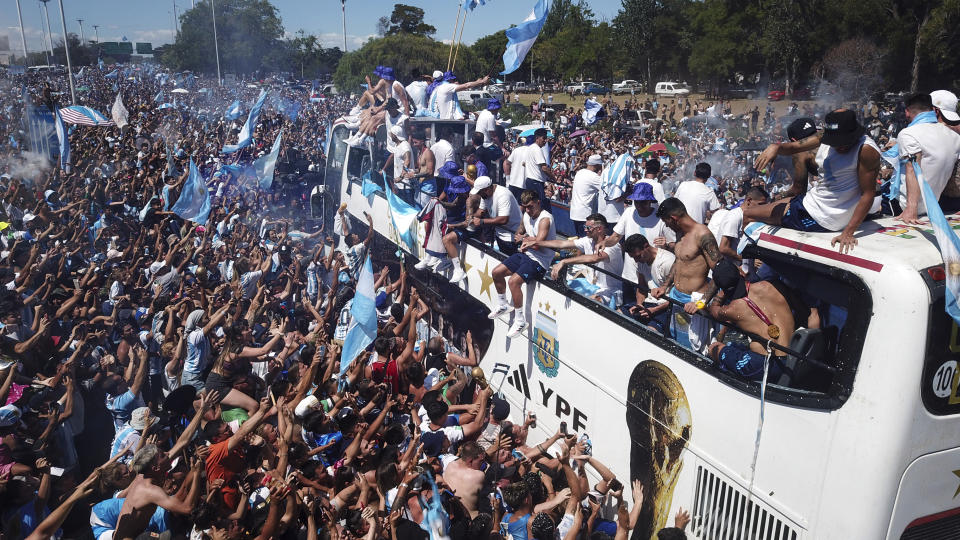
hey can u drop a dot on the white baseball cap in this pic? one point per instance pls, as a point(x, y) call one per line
point(946, 101)
point(397, 132)
point(481, 183)
point(437, 74)
point(595, 160)
point(306, 406)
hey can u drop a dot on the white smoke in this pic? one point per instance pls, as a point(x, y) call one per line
point(29, 166)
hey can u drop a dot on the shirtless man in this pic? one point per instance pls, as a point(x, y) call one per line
point(146, 492)
point(465, 477)
point(426, 163)
point(768, 309)
point(696, 252)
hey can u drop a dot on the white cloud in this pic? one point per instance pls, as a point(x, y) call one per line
point(335, 39)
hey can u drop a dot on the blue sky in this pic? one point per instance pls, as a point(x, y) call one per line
point(152, 20)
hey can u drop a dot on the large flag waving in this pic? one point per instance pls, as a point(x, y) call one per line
point(64, 140)
point(119, 113)
point(233, 111)
point(194, 201)
point(363, 322)
point(473, 4)
point(246, 134)
point(522, 37)
point(592, 111)
point(948, 242)
point(265, 164)
point(616, 177)
point(404, 218)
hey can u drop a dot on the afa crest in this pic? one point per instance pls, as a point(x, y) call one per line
point(546, 345)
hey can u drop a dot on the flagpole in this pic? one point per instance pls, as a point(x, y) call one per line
point(216, 47)
point(66, 51)
point(343, 8)
point(23, 36)
point(454, 36)
point(459, 39)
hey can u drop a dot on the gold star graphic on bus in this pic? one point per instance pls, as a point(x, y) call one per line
point(466, 267)
point(957, 492)
point(486, 280)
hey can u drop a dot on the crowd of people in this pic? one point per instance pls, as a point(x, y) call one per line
point(167, 377)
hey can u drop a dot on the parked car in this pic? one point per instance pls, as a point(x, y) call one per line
point(638, 117)
point(802, 92)
point(477, 98)
point(739, 92)
point(626, 86)
point(578, 87)
point(667, 88)
point(596, 89)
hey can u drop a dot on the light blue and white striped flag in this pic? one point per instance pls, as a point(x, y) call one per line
point(246, 134)
point(948, 242)
point(591, 111)
point(616, 177)
point(233, 111)
point(265, 164)
point(521, 38)
point(194, 201)
point(404, 218)
point(474, 4)
point(363, 322)
point(64, 140)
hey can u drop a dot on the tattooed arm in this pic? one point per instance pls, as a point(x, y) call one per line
point(711, 254)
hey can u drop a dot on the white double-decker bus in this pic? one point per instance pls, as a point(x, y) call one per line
point(859, 440)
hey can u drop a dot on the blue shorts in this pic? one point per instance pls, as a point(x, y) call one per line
point(741, 360)
point(796, 217)
point(525, 267)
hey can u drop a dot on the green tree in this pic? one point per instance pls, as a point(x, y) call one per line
point(634, 29)
point(408, 20)
point(249, 32)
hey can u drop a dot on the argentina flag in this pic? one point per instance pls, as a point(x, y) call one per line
point(194, 201)
point(64, 140)
point(265, 164)
point(233, 111)
point(616, 177)
point(246, 134)
point(404, 218)
point(522, 37)
point(474, 4)
point(363, 321)
point(592, 111)
point(948, 242)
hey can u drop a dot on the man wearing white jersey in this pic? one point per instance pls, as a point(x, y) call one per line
point(727, 225)
point(529, 265)
point(585, 192)
point(850, 161)
point(640, 219)
point(443, 101)
point(933, 146)
point(699, 200)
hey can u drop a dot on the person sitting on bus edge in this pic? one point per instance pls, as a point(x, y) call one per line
point(804, 163)
point(850, 161)
point(371, 108)
point(529, 265)
point(403, 176)
point(688, 282)
point(934, 147)
point(609, 260)
point(768, 309)
point(653, 267)
point(496, 210)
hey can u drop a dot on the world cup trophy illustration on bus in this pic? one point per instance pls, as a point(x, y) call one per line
point(658, 418)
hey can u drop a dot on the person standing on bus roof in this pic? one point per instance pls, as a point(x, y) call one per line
point(529, 265)
point(850, 161)
point(697, 252)
point(697, 197)
point(586, 189)
point(487, 121)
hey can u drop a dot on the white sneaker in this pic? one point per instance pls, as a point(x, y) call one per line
point(519, 327)
point(499, 311)
point(458, 276)
point(355, 142)
point(423, 264)
point(442, 265)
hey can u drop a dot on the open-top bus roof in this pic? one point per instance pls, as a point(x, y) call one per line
point(880, 242)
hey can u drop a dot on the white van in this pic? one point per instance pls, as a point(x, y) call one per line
point(671, 89)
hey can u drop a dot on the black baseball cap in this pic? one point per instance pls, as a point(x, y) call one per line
point(392, 103)
point(801, 128)
point(727, 277)
point(841, 128)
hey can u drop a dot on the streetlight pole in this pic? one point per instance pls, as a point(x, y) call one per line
point(96, 28)
point(66, 51)
point(81, 31)
point(46, 15)
point(23, 36)
point(343, 7)
point(216, 47)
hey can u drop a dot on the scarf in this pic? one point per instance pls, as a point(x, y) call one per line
point(892, 155)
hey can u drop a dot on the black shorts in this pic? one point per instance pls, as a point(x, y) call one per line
point(525, 267)
point(796, 217)
point(742, 360)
